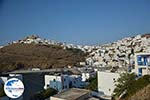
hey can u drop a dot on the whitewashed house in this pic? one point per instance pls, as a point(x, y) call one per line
point(58, 82)
point(63, 82)
point(87, 73)
point(82, 63)
point(142, 63)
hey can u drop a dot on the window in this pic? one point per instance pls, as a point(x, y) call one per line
point(114, 79)
point(139, 60)
point(140, 72)
point(142, 60)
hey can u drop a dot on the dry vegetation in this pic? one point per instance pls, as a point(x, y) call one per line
point(143, 94)
point(24, 56)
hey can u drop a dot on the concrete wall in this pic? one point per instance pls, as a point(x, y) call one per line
point(106, 83)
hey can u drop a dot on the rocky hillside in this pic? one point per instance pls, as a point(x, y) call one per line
point(36, 52)
point(25, 56)
point(143, 94)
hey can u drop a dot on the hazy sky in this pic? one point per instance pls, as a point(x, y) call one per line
point(74, 21)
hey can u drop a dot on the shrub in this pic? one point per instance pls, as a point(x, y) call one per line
point(127, 85)
point(92, 84)
point(139, 84)
point(123, 83)
point(42, 95)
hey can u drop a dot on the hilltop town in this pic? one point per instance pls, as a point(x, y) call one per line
point(118, 54)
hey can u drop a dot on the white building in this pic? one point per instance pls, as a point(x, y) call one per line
point(63, 82)
point(87, 73)
point(106, 83)
point(58, 82)
point(142, 63)
point(82, 63)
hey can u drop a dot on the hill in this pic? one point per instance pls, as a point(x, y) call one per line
point(34, 51)
point(25, 56)
point(130, 87)
point(143, 94)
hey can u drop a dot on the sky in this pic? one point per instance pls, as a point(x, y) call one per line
point(84, 22)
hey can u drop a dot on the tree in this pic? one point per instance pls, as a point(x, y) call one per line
point(139, 84)
point(124, 84)
point(92, 84)
point(128, 84)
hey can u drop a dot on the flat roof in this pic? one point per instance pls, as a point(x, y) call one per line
point(72, 94)
point(142, 53)
point(59, 70)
